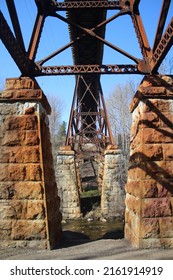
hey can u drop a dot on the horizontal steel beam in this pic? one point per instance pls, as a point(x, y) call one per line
point(109, 5)
point(78, 114)
point(88, 69)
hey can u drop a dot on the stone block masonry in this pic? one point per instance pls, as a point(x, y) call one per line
point(29, 203)
point(67, 181)
point(113, 194)
point(149, 190)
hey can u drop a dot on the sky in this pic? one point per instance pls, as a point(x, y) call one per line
point(55, 34)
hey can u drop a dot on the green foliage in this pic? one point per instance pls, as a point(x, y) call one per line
point(62, 129)
point(90, 193)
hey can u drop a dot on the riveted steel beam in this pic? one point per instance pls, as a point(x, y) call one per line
point(163, 47)
point(15, 23)
point(141, 35)
point(88, 69)
point(14, 49)
point(36, 34)
point(88, 123)
point(86, 32)
point(161, 23)
point(71, 5)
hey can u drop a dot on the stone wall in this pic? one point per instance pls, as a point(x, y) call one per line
point(67, 181)
point(113, 194)
point(149, 198)
point(29, 204)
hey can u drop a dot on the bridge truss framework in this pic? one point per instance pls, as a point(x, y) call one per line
point(91, 123)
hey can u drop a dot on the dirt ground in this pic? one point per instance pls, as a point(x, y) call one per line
point(78, 249)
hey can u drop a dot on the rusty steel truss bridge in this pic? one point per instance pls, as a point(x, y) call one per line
point(87, 21)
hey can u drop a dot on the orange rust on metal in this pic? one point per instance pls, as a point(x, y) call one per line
point(86, 21)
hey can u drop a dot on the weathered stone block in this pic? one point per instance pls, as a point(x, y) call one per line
point(28, 230)
point(21, 190)
point(149, 243)
point(6, 212)
point(30, 244)
point(149, 188)
point(133, 188)
point(159, 170)
point(12, 172)
point(30, 111)
point(165, 190)
point(137, 173)
point(157, 105)
point(5, 229)
point(135, 139)
point(13, 138)
point(21, 122)
point(133, 221)
point(130, 236)
point(152, 135)
point(149, 119)
point(34, 172)
point(156, 207)
point(35, 210)
point(167, 119)
point(166, 227)
point(21, 154)
point(22, 83)
point(149, 228)
point(166, 168)
point(32, 138)
point(168, 151)
point(133, 203)
point(152, 152)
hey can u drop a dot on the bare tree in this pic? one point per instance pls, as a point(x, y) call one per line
point(167, 66)
point(57, 107)
point(119, 115)
point(1, 86)
point(118, 110)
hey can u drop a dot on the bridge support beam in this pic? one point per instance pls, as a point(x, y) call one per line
point(149, 190)
point(29, 204)
point(112, 198)
point(67, 181)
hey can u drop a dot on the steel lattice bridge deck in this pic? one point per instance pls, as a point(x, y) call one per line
point(87, 21)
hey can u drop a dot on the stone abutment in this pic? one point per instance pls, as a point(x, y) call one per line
point(149, 190)
point(29, 203)
point(30, 213)
point(70, 173)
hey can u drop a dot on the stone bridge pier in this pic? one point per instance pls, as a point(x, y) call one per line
point(67, 182)
point(149, 198)
point(109, 180)
point(29, 204)
point(113, 194)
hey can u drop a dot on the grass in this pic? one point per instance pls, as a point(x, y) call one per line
point(90, 193)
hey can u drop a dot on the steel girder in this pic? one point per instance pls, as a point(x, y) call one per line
point(25, 59)
point(14, 48)
point(89, 126)
point(89, 69)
